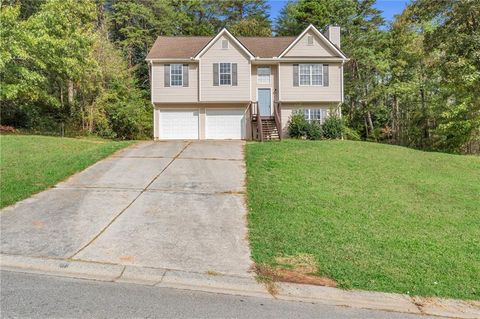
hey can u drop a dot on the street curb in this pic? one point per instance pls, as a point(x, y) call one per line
point(240, 285)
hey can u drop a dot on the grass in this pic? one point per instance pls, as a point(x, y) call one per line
point(375, 217)
point(30, 163)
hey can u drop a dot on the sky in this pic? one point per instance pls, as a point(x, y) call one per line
point(388, 7)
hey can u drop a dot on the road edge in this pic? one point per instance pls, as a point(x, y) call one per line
point(239, 285)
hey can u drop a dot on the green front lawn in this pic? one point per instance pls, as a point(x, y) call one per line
point(373, 216)
point(30, 163)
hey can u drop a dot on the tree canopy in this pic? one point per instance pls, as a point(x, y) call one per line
point(81, 63)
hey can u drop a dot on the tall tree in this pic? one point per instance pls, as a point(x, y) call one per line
point(364, 43)
point(245, 17)
point(454, 42)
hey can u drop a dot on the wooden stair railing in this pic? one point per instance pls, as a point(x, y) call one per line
point(266, 127)
point(278, 118)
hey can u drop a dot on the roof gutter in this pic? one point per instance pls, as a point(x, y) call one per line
point(170, 60)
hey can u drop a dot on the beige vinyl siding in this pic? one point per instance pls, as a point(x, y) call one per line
point(288, 108)
point(162, 94)
point(201, 115)
point(318, 49)
point(234, 54)
point(315, 93)
point(273, 81)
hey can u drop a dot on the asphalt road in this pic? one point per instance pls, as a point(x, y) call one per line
point(39, 296)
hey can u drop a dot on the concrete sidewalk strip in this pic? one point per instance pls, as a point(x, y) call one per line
point(59, 267)
point(448, 307)
point(142, 275)
point(245, 286)
point(340, 297)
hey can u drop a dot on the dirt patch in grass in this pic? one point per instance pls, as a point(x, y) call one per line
point(298, 269)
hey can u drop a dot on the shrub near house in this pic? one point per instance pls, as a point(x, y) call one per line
point(300, 127)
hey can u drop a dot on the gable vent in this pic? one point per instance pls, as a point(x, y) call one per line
point(310, 40)
point(224, 44)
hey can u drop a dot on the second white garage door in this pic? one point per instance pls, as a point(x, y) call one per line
point(178, 124)
point(225, 124)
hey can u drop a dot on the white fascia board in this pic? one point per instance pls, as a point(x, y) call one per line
point(299, 59)
point(170, 60)
point(224, 31)
point(320, 35)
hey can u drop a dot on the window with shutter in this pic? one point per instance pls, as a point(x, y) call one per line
point(225, 74)
point(310, 74)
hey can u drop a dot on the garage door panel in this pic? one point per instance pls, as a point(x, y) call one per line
point(225, 124)
point(179, 124)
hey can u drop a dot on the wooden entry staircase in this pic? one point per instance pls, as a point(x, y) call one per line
point(265, 127)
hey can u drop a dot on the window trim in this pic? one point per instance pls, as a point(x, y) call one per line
point(269, 74)
point(171, 74)
point(310, 74)
point(219, 73)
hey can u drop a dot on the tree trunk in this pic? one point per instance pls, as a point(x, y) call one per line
point(70, 96)
point(395, 120)
point(369, 119)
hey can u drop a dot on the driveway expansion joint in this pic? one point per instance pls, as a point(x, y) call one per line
point(129, 205)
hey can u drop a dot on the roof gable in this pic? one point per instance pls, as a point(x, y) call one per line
point(321, 44)
point(226, 34)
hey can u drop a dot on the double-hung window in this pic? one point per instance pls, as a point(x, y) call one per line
point(315, 115)
point(310, 74)
point(176, 74)
point(225, 74)
point(263, 75)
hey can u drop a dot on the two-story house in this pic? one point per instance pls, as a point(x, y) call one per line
point(227, 87)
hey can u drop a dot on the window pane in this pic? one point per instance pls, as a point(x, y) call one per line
point(304, 79)
point(176, 74)
point(316, 69)
point(306, 113)
point(316, 80)
point(225, 74)
point(317, 74)
point(224, 67)
point(263, 75)
point(304, 69)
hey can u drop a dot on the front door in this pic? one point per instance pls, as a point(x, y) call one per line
point(264, 102)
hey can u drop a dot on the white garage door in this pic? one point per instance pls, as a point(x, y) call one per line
point(225, 124)
point(178, 124)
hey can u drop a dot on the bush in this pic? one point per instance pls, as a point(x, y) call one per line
point(297, 125)
point(332, 127)
point(351, 134)
point(314, 131)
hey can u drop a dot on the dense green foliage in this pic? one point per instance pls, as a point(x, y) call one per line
point(299, 127)
point(32, 163)
point(79, 65)
point(377, 217)
point(332, 127)
point(414, 82)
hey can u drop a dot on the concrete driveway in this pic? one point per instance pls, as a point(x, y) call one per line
point(175, 205)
